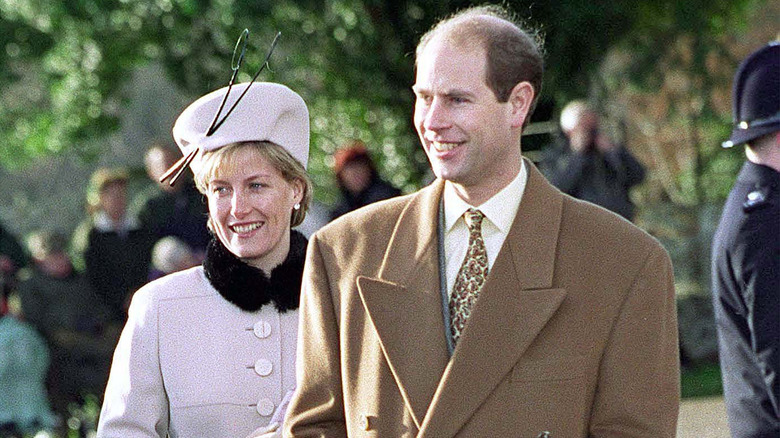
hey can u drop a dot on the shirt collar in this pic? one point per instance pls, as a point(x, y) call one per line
point(499, 209)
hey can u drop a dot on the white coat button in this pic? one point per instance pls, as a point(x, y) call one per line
point(265, 407)
point(262, 329)
point(263, 367)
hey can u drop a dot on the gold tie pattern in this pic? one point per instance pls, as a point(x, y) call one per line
point(471, 276)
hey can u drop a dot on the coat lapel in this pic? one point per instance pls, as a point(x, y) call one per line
point(513, 307)
point(404, 303)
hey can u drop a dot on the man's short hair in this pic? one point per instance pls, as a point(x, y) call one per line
point(514, 54)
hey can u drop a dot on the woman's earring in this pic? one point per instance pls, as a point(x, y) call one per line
point(297, 206)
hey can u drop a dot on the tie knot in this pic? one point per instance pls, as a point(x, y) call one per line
point(473, 218)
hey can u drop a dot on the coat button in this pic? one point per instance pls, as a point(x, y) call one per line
point(365, 422)
point(265, 407)
point(262, 329)
point(263, 367)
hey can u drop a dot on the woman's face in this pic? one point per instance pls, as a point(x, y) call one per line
point(250, 205)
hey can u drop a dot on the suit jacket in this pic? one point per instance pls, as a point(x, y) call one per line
point(746, 300)
point(191, 364)
point(574, 332)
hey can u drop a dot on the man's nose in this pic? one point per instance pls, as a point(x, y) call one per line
point(437, 116)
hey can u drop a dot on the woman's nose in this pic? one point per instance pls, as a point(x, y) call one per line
point(239, 205)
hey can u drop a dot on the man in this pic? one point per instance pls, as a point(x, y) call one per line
point(746, 255)
point(589, 166)
point(571, 333)
point(177, 210)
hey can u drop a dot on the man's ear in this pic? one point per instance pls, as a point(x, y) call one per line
point(521, 98)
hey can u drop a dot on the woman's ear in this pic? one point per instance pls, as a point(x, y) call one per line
point(521, 98)
point(298, 187)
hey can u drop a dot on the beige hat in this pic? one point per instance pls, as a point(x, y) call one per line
point(267, 112)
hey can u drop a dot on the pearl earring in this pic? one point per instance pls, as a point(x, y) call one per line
point(297, 206)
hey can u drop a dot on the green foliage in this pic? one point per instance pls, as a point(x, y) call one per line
point(701, 380)
point(678, 53)
point(64, 63)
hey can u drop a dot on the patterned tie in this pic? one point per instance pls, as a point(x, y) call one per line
point(471, 276)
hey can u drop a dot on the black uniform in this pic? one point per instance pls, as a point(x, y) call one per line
point(746, 296)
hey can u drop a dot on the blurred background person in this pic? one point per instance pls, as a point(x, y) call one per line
point(60, 303)
point(172, 210)
point(170, 254)
point(358, 180)
point(210, 351)
point(111, 244)
point(24, 358)
point(586, 164)
point(12, 255)
point(746, 255)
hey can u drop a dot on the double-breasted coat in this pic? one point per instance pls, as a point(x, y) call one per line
point(574, 332)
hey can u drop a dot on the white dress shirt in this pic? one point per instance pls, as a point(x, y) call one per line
point(499, 211)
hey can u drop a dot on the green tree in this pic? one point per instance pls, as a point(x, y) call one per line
point(64, 63)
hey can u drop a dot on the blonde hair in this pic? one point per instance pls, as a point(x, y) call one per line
point(215, 162)
point(99, 181)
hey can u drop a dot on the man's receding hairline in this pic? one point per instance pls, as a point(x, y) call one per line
point(463, 26)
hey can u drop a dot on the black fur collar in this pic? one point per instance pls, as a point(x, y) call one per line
point(248, 287)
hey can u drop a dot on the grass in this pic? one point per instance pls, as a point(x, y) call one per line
point(701, 380)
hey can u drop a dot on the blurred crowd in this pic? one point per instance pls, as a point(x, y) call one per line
point(65, 297)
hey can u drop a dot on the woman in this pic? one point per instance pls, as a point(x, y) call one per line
point(210, 351)
point(358, 179)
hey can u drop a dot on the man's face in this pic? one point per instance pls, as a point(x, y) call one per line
point(469, 136)
point(113, 200)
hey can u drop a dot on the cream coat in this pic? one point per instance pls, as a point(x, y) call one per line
point(190, 364)
point(574, 332)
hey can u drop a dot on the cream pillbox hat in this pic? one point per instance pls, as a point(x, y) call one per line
point(267, 112)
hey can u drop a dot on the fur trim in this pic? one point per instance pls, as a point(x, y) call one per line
point(248, 287)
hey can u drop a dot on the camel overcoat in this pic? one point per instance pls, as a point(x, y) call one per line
point(574, 332)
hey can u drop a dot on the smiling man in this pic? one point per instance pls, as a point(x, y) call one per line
point(488, 303)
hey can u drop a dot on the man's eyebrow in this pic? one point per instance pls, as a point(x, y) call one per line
point(446, 93)
point(419, 89)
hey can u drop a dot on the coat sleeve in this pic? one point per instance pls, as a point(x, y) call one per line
point(566, 170)
point(317, 408)
point(135, 404)
point(629, 170)
point(638, 387)
point(760, 270)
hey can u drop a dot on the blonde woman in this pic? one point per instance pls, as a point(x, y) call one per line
point(210, 351)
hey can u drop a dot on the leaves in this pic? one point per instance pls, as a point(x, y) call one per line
point(65, 63)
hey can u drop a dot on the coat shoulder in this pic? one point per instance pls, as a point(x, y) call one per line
point(184, 284)
point(376, 218)
point(604, 233)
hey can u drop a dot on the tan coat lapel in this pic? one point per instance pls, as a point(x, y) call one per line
point(404, 303)
point(514, 305)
